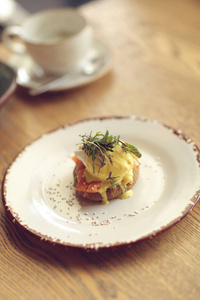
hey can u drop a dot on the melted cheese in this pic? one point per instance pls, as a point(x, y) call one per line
point(120, 169)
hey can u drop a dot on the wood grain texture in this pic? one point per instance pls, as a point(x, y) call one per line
point(156, 74)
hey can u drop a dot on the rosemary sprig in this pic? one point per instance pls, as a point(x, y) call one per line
point(97, 146)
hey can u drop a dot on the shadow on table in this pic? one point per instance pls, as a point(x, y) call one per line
point(99, 87)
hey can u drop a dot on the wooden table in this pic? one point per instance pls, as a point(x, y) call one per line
point(156, 74)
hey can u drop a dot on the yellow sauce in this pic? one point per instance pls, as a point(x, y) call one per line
point(126, 195)
point(121, 168)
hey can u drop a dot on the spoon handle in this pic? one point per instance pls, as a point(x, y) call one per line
point(89, 69)
point(49, 85)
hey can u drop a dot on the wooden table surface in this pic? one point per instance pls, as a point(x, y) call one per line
point(156, 74)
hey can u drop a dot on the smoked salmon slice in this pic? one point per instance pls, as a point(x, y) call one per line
point(83, 185)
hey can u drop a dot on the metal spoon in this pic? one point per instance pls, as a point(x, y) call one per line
point(90, 68)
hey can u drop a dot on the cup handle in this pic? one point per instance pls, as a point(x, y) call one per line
point(8, 35)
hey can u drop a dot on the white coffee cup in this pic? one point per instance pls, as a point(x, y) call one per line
point(57, 39)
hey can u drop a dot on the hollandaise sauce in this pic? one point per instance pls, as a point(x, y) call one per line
point(117, 170)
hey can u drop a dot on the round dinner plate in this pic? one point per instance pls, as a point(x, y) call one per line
point(38, 186)
point(30, 76)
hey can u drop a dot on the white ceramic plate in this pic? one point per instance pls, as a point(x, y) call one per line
point(29, 76)
point(39, 193)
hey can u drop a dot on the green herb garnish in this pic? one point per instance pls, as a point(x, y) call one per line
point(112, 180)
point(99, 144)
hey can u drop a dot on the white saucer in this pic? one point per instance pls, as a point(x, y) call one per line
point(29, 75)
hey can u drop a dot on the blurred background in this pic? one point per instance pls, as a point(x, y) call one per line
point(14, 11)
point(33, 6)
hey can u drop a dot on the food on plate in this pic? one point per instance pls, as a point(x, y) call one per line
point(106, 167)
